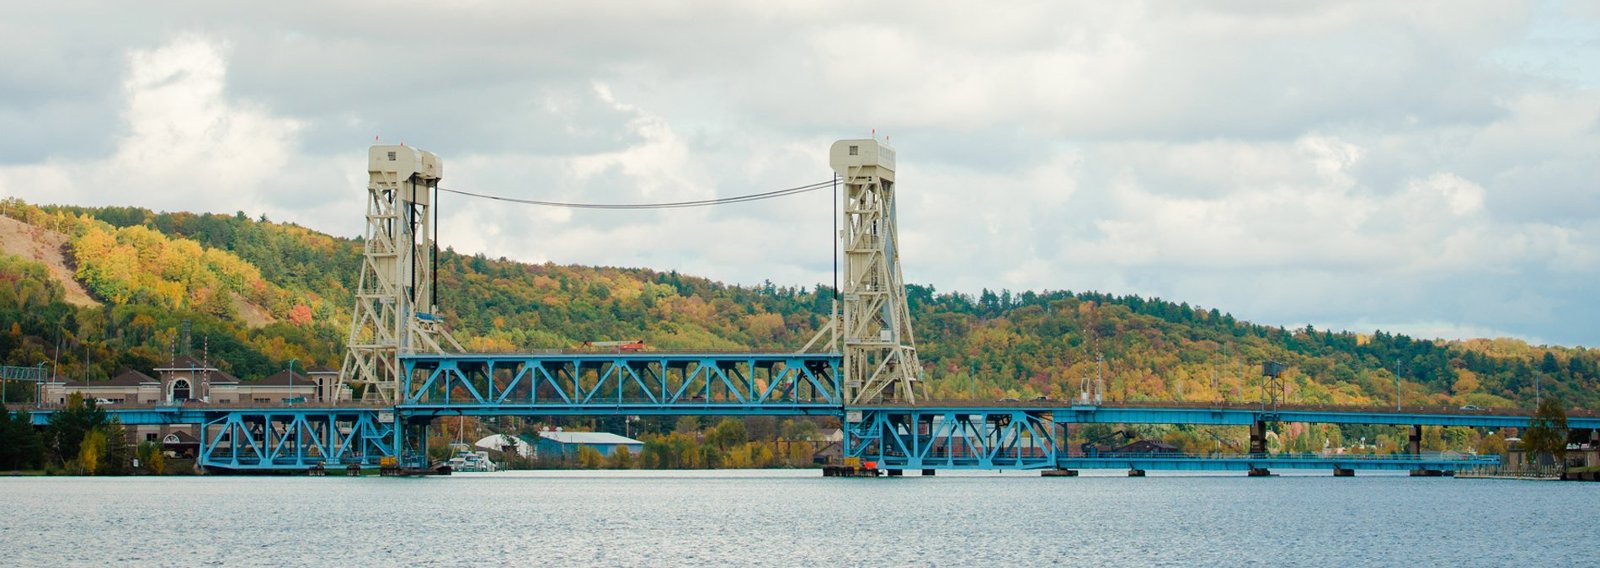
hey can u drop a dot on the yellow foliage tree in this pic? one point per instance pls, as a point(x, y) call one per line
point(1466, 382)
point(94, 444)
point(621, 458)
point(590, 458)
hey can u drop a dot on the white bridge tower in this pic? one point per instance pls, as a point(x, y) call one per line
point(395, 299)
point(880, 354)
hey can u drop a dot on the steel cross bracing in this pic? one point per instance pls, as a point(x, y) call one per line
point(297, 439)
point(951, 438)
point(633, 383)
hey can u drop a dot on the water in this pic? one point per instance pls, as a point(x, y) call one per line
point(793, 518)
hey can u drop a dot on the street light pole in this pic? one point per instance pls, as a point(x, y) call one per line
point(291, 380)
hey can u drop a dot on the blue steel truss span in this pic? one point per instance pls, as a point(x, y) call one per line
point(623, 383)
point(285, 439)
point(951, 438)
point(1005, 435)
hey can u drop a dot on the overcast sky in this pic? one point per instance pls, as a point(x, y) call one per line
point(1423, 167)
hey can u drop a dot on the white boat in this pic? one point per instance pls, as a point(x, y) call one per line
point(472, 462)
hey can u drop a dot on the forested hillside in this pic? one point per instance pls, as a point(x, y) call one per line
point(263, 292)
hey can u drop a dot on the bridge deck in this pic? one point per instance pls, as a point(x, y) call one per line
point(744, 404)
point(1244, 415)
point(1185, 462)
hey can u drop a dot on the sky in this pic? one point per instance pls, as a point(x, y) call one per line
point(1429, 168)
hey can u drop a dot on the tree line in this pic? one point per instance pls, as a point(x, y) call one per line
point(78, 439)
point(994, 344)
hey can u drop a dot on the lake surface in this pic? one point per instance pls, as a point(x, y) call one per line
point(794, 518)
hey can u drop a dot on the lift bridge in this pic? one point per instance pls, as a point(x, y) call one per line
point(861, 368)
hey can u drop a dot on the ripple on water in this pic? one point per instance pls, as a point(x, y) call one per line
point(789, 518)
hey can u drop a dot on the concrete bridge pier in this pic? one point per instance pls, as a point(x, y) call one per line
point(1258, 447)
point(1258, 438)
point(1414, 447)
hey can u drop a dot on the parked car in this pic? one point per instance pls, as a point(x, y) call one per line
point(1471, 407)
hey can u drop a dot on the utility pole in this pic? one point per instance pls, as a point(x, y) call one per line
point(291, 396)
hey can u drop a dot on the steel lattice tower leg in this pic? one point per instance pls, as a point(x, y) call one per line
point(394, 312)
point(880, 355)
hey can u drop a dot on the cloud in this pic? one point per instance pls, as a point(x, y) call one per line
point(185, 145)
point(1424, 164)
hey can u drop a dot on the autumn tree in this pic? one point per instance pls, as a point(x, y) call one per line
point(90, 451)
point(621, 458)
point(726, 434)
point(798, 430)
point(151, 458)
point(590, 458)
point(1546, 437)
point(70, 425)
point(117, 455)
point(1492, 445)
point(21, 446)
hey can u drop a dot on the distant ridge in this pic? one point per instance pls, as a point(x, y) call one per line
point(154, 270)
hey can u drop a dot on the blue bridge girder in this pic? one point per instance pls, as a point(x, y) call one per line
point(288, 439)
point(632, 383)
point(1081, 414)
point(1005, 435)
point(1246, 462)
point(951, 438)
point(1246, 416)
point(143, 416)
point(627, 409)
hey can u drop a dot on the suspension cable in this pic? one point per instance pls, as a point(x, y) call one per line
point(669, 205)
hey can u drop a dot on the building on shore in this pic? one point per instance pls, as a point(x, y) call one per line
point(187, 381)
point(556, 444)
point(1584, 455)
